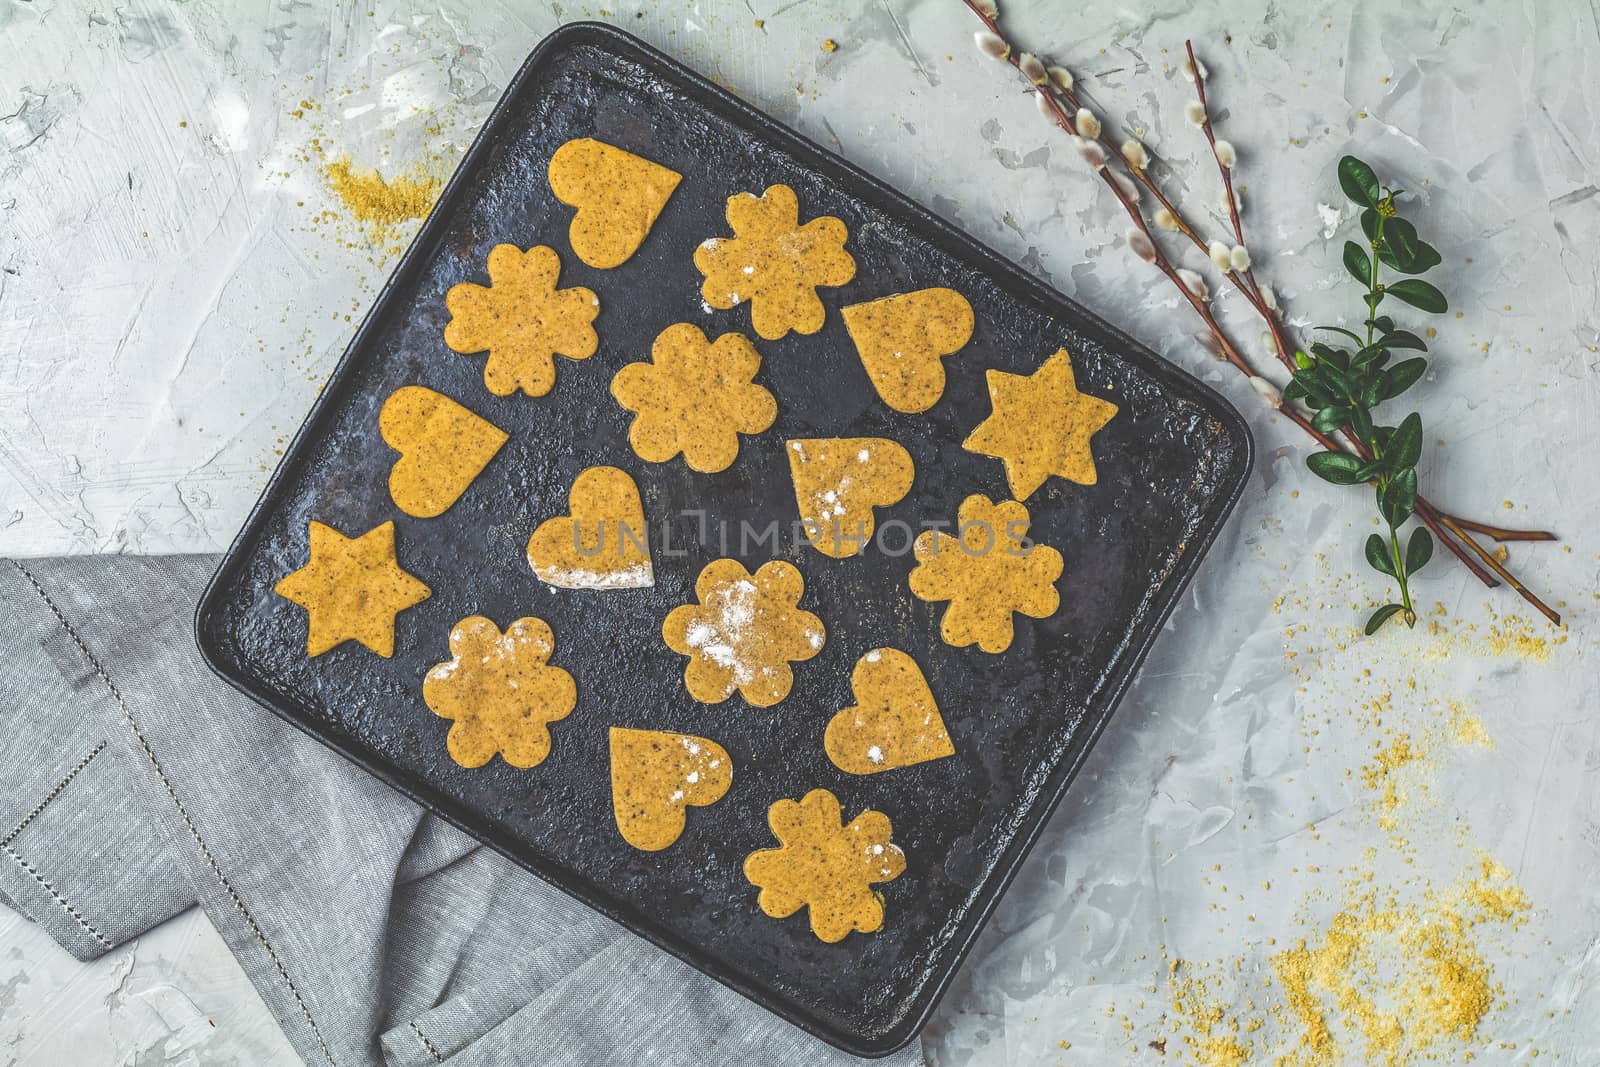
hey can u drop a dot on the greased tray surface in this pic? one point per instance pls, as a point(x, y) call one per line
point(1170, 464)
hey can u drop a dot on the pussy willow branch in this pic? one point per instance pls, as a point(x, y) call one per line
point(1051, 98)
point(1436, 519)
point(1426, 511)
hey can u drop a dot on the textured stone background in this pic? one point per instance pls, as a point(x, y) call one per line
point(170, 303)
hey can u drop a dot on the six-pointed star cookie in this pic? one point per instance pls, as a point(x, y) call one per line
point(352, 588)
point(1040, 426)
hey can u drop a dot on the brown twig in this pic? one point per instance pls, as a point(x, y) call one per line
point(1499, 568)
point(1449, 530)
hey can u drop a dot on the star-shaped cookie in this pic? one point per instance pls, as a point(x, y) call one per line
point(1041, 425)
point(352, 588)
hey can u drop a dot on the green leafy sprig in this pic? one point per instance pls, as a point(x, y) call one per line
point(1343, 385)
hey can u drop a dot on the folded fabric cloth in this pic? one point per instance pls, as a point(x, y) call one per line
point(135, 784)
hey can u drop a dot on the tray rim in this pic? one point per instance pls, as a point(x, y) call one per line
point(1001, 270)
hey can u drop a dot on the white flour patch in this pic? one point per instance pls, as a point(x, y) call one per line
point(633, 576)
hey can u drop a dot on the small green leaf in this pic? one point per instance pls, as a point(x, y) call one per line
point(1403, 339)
point(1369, 224)
point(1419, 551)
point(1357, 263)
point(1399, 499)
point(1340, 468)
point(1371, 392)
point(1426, 258)
point(1338, 357)
point(1372, 300)
point(1301, 360)
point(1381, 616)
point(1358, 181)
point(1361, 422)
point(1314, 381)
point(1369, 470)
point(1294, 391)
point(1339, 380)
point(1405, 446)
point(1399, 245)
point(1330, 418)
point(1419, 294)
point(1378, 555)
point(1340, 329)
point(1402, 376)
point(1368, 354)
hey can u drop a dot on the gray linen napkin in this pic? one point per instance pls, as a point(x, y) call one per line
point(134, 784)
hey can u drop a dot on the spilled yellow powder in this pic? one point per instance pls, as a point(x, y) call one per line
point(1381, 777)
point(1515, 635)
point(382, 205)
point(1397, 981)
point(1468, 728)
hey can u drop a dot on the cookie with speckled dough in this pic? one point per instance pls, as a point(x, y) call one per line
point(656, 776)
point(522, 320)
point(902, 341)
point(744, 632)
point(825, 866)
point(1040, 426)
point(500, 691)
point(895, 721)
point(774, 262)
point(352, 588)
point(987, 572)
point(694, 397)
point(601, 543)
point(837, 483)
point(443, 448)
point(618, 195)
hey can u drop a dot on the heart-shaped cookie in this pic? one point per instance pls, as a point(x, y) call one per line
point(837, 483)
point(618, 196)
point(601, 543)
point(895, 721)
point(903, 339)
point(656, 775)
point(443, 447)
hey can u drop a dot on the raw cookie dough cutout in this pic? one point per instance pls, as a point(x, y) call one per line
point(694, 397)
point(501, 692)
point(1041, 425)
point(895, 721)
point(443, 448)
point(902, 341)
point(601, 543)
point(522, 320)
point(986, 573)
point(774, 262)
point(825, 866)
point(618, 196)
point(352, 588)
point(656, 776)
point(744, 632)
point(837, 483)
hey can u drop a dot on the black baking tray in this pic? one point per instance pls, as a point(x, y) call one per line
point(1171, 464)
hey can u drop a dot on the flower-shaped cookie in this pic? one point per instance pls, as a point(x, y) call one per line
point(695, 397)
point(774, 262)
point(501, 691)
point(825, 866)
point(986, 572)
point(744, 632)
point(522, 320)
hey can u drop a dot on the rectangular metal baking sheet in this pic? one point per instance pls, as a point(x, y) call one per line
point(1171, 465)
